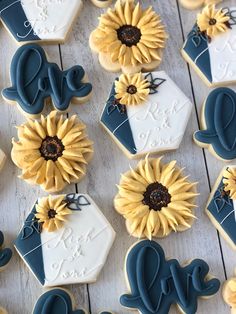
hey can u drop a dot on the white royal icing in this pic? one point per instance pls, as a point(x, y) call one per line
point(49, 19)
point(159, 124)
point(77, 252)
point(222, 50)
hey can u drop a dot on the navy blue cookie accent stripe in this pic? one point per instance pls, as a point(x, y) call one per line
point(13, 16)
point(118, 124)
point(29, 245)
point(196, 47)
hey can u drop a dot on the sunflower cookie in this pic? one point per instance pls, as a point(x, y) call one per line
point(222, 203)
point(210, 47)
point(53, 151)
point(194, 4)
point(229, 294)
point(35, 80)
point(155, 199)
point(2, 159)
point(156, 283)
point(65, 240)
point(44, 21)
point(146, 113)
point(129, 38)
point(102, 3)
point(5, 254)
point(219, 124)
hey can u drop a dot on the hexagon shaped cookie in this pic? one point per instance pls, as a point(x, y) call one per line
point(156, 125)
point(33, 20)
point(65, 240)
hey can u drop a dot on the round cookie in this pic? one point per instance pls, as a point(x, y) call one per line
point(65, 240)
point(155, 199)
point(35, 81)
point(122, 38)
point(52, 152)
point(218, 124)
point(155, 283)
point(195, 4)
point(39, 21)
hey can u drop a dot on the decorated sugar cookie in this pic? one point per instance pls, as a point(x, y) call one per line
point(210, 46)
point(44, 21)
point(65, 240)
point(194, 4)
point(156, 199)
point(57, 301)
point(35, 80)
point(129, 38)
point(229, 293)
point(5, 254)
point(156, 283)
point(102, 3)
point(222, 203)
point(146, 113)
point(219, 124)
point(2, 159)
point(53, 151)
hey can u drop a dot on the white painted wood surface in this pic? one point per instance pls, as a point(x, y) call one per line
point(19, 290)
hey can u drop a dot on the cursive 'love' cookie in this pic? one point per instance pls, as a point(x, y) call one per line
point(35, 80)
point(58, 301)
point(210, 46)
point(219, 124)
point(156, 283)
point(65, 240)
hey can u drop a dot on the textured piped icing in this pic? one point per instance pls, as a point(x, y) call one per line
point(5, 253)
point(34, 80)
point(146, 113)
point(155, 199)
point(156, 283)
point(219, 123)
point(221, 206)
point(53, 151)
point(33, 20)
point(75, 249)
point(129, 35)
point(57, 301)
point(213, 49)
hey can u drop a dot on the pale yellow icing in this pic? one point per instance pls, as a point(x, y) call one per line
point(52, 212)
point(229, 293)
point(68, 167)
point(131, 89)
point(2, 310)
point(230, 181)
point(147, 21)
point(144, 221)
point(212, 21)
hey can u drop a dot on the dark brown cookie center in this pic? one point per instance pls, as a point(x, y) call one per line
point(51, 148)
point(52, 213)
point(212, 22)
point(132, 89)
point(156, 196)
point(129, 35)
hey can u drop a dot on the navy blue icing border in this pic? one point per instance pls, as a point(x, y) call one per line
point(220, 120)
point(29, 245)
point(156, 283)
point(222, 209)
point(34, 79)
point(196, 47)
point(112, 120)
point(13, 16)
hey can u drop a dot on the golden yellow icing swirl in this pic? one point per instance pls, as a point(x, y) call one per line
point(212, 21)
point(130, 34)
point(155, 199)
point(131, 89)
point(53, 151)
point(230, 181)
point(52, 212)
